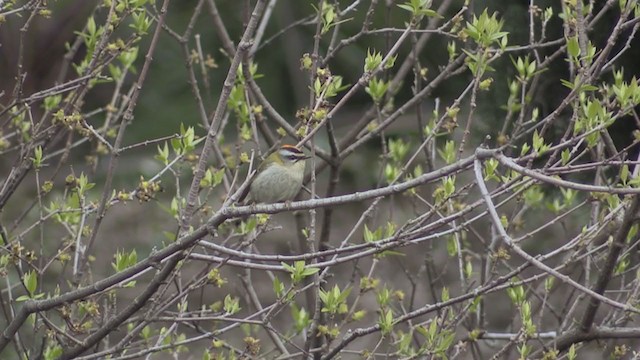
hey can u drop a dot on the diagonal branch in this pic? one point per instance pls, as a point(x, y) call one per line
point(495, 218)
point(212, 134)
point(122, 316)
point(630, 217)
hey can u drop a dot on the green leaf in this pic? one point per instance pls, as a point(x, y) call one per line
point(369, 236)
point(278, 287)
point(565, 156)
point(573, 47)
point(31, 282)
point(624, 173)
point(299, 271)
point(231, 305)
point(53, 352)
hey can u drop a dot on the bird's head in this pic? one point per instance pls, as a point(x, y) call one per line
point(288, 156)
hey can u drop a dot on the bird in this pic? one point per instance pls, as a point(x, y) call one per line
point(279, 176)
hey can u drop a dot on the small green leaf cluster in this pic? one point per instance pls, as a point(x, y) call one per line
point(398, 151)
point(248, 225)
point(231, 305)
point(182, 145)
point(301, 318)
point(372, 61)
point(448, 153)
point(486, 30)
point(93, 33)
point(53, 352)
point(419, 9)
point(525, 67)
point(91, 36)
point(52, 102)
point(334, 301)
point(626, 94)
point(381, 233)
point(518, 297)
point(170, 337)
point(67, 211)
point(446, 189)
point(593, 117)
point(328, 16)
point(299, 271)
point(327, 86)
point(21, 124)
point(30, 280)
point(214, 277)
point(568, 198)
point(212, 178)
point(516, 293)
point(239, 104)
point(123, 261)
point(438, 339)
point(127, 58)
point(37, 157)
point(490, 168)
point(377, 88)
point(575, 53)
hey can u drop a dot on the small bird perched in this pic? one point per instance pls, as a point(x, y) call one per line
point(279, 176)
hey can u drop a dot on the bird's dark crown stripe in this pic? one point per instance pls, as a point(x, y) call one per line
point(291, 148)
